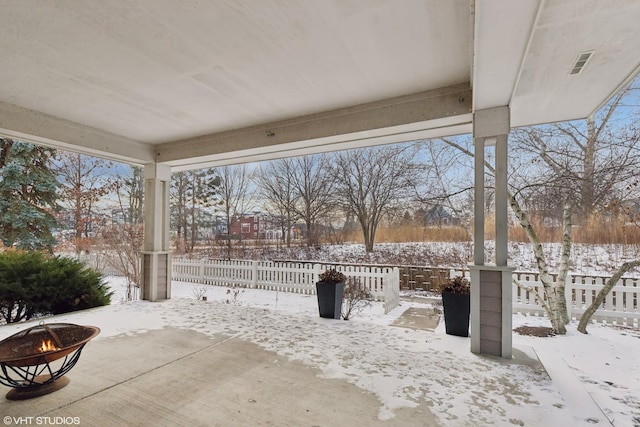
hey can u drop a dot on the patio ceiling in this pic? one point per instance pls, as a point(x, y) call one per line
point(194, 83)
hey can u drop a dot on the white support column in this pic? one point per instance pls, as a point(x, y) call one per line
point(491, 291)
point(478, 193)
point(502, 224)
point(156, 259)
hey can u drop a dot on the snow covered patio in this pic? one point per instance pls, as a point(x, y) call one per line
point(268, 359)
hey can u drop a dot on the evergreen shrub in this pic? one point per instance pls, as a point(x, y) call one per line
point(34, 285)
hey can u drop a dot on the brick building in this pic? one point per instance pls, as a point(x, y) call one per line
point(248, 227)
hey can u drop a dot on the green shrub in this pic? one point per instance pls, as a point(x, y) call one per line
point(33, 285)
point(19, 292)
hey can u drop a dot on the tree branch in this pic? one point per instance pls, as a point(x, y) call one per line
point(599, 299)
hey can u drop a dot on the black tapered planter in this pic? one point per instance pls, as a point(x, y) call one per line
point(456, 313)
point(330, 299)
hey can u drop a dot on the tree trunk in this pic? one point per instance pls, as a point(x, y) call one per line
point(366, 234)
point(194, 230)
point(553, 307)
point(287, 234)
point(564, 263)
point(597, 302)
point(587, 185)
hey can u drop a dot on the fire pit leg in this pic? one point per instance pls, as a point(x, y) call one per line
point(35, 390)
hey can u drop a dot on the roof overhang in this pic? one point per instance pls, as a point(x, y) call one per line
point(192, 84)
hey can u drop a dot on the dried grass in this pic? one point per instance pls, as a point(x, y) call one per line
point(412, 233)
point(599, 229)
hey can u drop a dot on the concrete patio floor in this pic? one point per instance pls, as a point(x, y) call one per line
point(174, 377)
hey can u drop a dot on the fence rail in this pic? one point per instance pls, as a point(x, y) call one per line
point(382, 282)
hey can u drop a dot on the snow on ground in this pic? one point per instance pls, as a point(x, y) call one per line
point(403, 367)
point(587, 259)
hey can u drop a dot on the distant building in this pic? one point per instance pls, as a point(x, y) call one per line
point(258, 226)
point(249, 227)
point(436, 216)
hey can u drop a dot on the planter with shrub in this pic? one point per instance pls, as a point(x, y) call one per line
point(456, 303)
point(329, 289)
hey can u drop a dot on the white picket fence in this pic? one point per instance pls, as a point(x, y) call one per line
point(382, 282)
point(620, 307)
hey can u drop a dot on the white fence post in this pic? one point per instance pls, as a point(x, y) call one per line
point(254, 273)
point(317, 269)
point(391, 289)
point(568, 295)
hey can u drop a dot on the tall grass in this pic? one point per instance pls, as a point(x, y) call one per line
point(598, 229)
point(412, 233)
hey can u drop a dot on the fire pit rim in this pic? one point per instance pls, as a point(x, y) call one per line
point(63, 350)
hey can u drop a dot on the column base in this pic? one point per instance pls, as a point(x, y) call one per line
point(491, 310)
point(156, 275)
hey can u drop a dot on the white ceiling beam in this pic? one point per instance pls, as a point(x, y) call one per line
point(401, 117)
point(33, 126)
point(303, 148)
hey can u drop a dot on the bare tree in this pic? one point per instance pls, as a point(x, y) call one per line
point(124, 243)
point(276, 181)
point(585, 165)
point(123, 237)
point(191, 193)
point(132, 186)
point(370, 182)
point(178, 196)
point(445, 181)
point(203, 192)
point(314, 188)
point(588, 161)
point(602, 294)
point(234, 196)
point(84, 181)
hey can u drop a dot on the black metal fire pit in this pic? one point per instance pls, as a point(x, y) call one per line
point(33, 361)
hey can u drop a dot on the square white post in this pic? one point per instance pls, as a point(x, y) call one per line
point(156, 259)
point(491, 291)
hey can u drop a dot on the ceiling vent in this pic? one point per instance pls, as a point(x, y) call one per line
point(580, 63)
